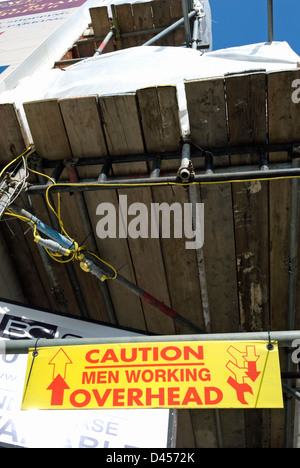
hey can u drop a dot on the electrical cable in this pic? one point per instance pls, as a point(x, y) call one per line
point(77, 252)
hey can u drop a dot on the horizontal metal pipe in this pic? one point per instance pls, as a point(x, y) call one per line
point(161, 181)
point(284, 339)
point(195, 153)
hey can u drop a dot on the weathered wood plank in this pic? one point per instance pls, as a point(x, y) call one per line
point(162, 132)
point(126, 24)
point(10, 284)
point(162, 19)
point(246, 97)
point(283, 127)
point(124, 136)
point(284, 113)
point(47, 129)
point(121, 121)
point(83, 126)
point(207, 112)
point(176, 14)
point(160, 118)
point(183, 281)
point(246, 107)
point(219, 256)
point(34, 290)
point(100, 21)
point(142, 18)
point(246, 103)
point(11, 137)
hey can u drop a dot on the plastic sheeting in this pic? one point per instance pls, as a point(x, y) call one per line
point(138, 67)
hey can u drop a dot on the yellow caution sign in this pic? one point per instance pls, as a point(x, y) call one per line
point(192, 374)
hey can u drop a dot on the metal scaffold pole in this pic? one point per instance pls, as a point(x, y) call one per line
point(284, 339)
point(270, 21)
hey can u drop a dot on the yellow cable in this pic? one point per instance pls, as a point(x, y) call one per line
point(16, 159)
point(107, 264)
point(180, 184)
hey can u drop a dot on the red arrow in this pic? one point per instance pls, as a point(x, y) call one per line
point(252, 372)
point(58, 387)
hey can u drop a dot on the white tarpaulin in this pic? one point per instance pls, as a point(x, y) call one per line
point(134, 68)
point(36, 33)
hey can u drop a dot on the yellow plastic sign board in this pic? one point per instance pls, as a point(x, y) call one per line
point(193, 374)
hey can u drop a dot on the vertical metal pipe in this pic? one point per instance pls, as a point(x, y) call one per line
point(196, 28)
point(116, 27)
point(184, 170)
point(293, 268)
point(270, 21)
point(104, 171)
point(155, 168)
point(187, 26)
point(193, 197)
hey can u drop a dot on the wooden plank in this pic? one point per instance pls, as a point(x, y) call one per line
point(252, 241)
point(66, 299)
point(246, 98)
point(32, 283)
point(283, 127)
point(162, 19)
point(161, 129)
point(150, 268)
point(284, 114)
point(121, 124)
point(47, 129)
point(207, 112)
point(10, 285)
point(176, 14)
point(142, 18)
point(204, 428)
point(160, 118)
point(124, 136)
point(115, 251)
point(246, 104)
point(11, 137)
point(180, 264)
point(83, 126)
point(219, 256)
point(279, 200)
point(100, 21)
point(185, 433)
point(126, 24)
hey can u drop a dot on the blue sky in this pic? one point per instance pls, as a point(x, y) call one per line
point(240, 22)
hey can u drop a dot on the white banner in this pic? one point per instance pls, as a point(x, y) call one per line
point(35, 33)
point(70, 428)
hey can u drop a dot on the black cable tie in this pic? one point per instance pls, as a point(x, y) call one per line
point(270, 346)
point(35, 353)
